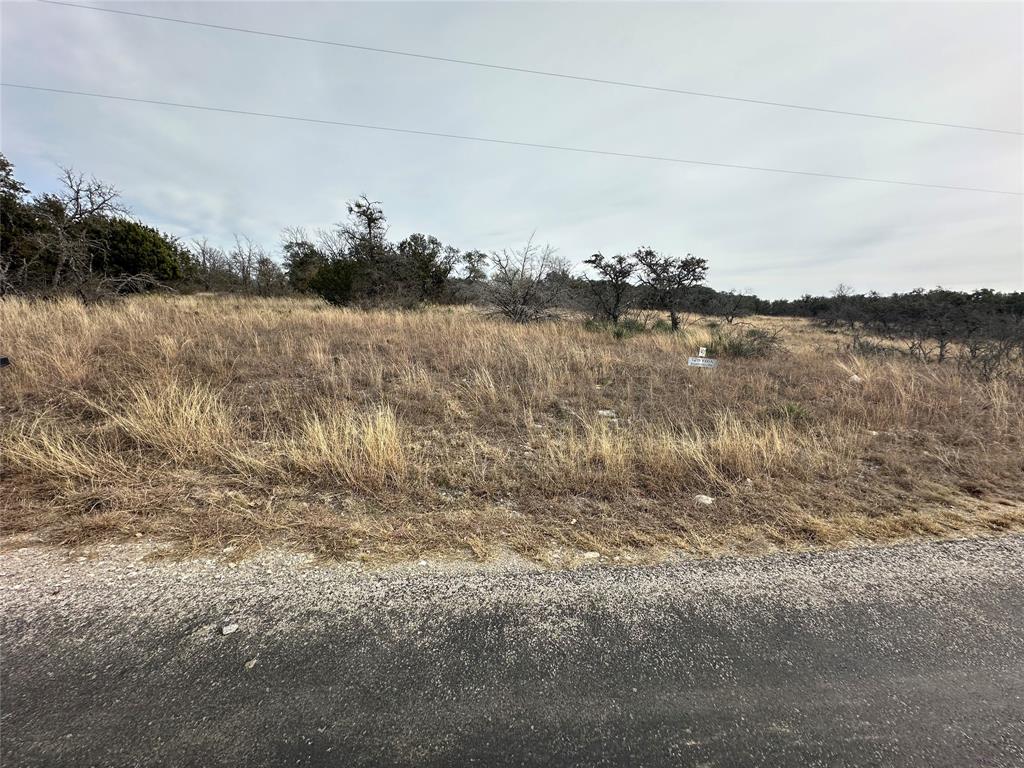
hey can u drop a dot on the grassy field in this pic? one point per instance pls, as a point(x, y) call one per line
point(209, 422)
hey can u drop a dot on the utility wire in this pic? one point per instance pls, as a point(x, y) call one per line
point(524, 70)
point(509, 142)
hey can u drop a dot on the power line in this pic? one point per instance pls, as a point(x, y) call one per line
point(527, 71)
point(508, 142)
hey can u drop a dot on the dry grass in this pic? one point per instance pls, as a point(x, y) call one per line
point(209, 421)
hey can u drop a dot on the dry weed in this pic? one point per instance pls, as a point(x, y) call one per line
point(215, 420)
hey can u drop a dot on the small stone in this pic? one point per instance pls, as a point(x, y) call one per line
point(855, 379)
point(607, 414)
point(250, 663)
point(706, 501)
point(138, 535)
point(573, 521)
point(423, 562)
point(227, 629)
point(591, 555)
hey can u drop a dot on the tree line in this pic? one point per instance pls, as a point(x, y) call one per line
point(82, 240)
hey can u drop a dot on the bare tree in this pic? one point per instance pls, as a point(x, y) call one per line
point(211, 264)
point(243, 260)
point(610, 292)
point(67, 213)
point(527, 283)
point(669, 279)
point(268, 277)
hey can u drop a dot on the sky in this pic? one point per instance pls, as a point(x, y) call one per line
point(200, 174)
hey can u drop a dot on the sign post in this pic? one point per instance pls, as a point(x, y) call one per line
point(702, 360)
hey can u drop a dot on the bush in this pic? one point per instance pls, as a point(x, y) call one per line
point(127, 247)
point(753, 342)
point(626, 327)
point(334, 282)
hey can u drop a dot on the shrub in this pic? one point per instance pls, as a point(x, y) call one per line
point(626, 327)
point(753, 342)
point(335, 281)
point(124, 246)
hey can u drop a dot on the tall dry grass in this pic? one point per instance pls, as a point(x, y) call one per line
point(215, 420)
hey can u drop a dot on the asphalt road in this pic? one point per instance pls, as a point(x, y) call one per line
point(903, 656)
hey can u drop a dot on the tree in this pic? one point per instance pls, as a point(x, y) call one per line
point(242, 261)
point(126, 247)
point(335, 281)
point(610, 292)
point(268, 277)
point(363, 264)
point(18, 227)
point(426, 265)
point(729, 305)
point(302, 260)
point(527, 283)
point(365, 242)
point(209, 265)
point(65, 239)
point(669, 279)
point(473, 266)
point(366, 229)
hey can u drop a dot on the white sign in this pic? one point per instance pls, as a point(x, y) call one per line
point(703, 352)
point(702, 362)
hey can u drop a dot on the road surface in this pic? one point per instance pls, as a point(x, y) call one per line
point(901, 656)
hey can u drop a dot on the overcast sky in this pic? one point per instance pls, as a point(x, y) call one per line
point(204, 174)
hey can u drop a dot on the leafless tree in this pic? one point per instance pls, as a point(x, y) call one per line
point(67, 213)
point(101, 289)
point(268, 277)
point(527, 283)
point(211, 263)
point(243, 260)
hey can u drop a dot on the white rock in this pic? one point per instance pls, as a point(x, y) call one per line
point(423, 562)
point(855, 379)
point(607, 414)
point(591, 555)
point(227, 629)
point(250, 663)
point(700, 498)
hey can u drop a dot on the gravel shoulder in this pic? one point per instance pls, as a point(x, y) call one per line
point(904, 655)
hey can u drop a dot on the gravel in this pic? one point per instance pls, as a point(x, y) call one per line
point(125, 579)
